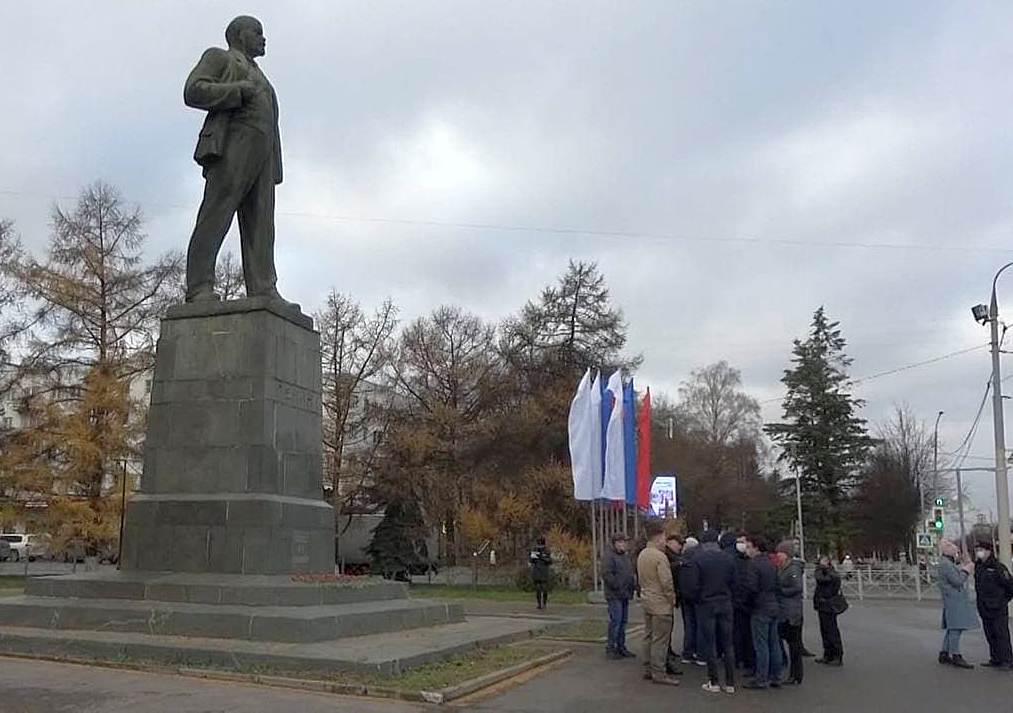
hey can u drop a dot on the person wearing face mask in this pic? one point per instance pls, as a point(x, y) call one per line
point(742, 631)
point(994, 589)
point(958, 616)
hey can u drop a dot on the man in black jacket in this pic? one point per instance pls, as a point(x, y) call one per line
point(715, 581)
point(620, 583)
point(686, 585)
point(761, 583)
point(742, 630)
point(994, 587)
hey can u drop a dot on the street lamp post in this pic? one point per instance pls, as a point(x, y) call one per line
point(1001, 483)
point(801, 533)
point(935, 460)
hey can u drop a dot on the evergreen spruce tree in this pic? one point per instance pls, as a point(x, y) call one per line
point(822, 439)
point(398, 547)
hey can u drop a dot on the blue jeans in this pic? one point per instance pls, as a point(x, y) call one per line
point(767, 644)
point(951, 641)
point(619, 614)
point(690, 646)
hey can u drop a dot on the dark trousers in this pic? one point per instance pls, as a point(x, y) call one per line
point(765, 644)
point(792, 635)
point(997, 635)
point(619, 614)
point(742, 640)
point(715, 629)
point(690, 646)
point(241, 181)
point(542, 594)
point(833, 649)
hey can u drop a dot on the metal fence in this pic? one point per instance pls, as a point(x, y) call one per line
point(889, 583)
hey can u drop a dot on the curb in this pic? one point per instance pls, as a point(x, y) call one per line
point(441, 696)
point(438, 697)
point(452, 693)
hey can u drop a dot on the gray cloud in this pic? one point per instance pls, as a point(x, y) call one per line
point(803, 123)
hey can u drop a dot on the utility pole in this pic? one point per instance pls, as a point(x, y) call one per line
point(1001, 482)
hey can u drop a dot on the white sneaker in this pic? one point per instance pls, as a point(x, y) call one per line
point(687, 660)
point(711, 687)
point(700, 662)
point(729, 689)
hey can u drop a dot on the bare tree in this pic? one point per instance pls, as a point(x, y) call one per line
point(450, 379)
point(887, 501)
point(712, 404)
point(229, 280)
point(717, 444)
point(355, 354)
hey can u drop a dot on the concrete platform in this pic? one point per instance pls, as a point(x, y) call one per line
point(248, 590)
point(227, 621)
point(380, 653)
point(255, 608)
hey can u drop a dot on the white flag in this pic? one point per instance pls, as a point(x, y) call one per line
point(579, 427)
point(597, 447)
point(614, 487)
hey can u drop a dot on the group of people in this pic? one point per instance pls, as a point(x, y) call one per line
point(993, 588)
point(741, 606)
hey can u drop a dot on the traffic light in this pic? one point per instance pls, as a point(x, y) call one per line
point(937, 518)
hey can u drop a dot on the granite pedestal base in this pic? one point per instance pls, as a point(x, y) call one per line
point(232, 620)
point(233, 472)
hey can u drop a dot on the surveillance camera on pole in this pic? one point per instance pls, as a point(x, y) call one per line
point(980, 314)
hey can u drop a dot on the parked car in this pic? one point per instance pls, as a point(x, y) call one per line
point(31, 546)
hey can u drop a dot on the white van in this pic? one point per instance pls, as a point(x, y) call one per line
point(31, 546)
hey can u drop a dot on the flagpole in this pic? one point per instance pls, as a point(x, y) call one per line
point(594, 546)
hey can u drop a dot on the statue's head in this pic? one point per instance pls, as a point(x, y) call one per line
point(246, 34)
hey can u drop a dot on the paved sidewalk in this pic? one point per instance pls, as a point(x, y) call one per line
point(46, 687)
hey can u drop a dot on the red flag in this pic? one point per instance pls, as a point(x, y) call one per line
point(644, 452)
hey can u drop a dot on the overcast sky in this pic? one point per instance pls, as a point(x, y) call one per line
point(751, 161)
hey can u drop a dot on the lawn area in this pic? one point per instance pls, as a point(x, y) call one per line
point(428, 678)
point(453, 671)
point(11, 585)
point(494, 594)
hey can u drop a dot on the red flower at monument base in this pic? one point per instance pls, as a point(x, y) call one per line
point(322, 577)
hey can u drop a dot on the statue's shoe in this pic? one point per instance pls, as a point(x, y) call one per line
point(275, 297)
point(206, 295)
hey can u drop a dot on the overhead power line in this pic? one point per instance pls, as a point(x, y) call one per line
point(897, 370)
point(589, 232)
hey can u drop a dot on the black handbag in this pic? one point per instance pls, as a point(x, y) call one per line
point(838, 604)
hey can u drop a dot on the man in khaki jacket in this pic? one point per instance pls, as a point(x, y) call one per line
point(658, 597)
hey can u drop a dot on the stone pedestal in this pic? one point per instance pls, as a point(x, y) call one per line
point(232, 460)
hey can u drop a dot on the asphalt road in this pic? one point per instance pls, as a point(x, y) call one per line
point(890, 652)
point(890, 665)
